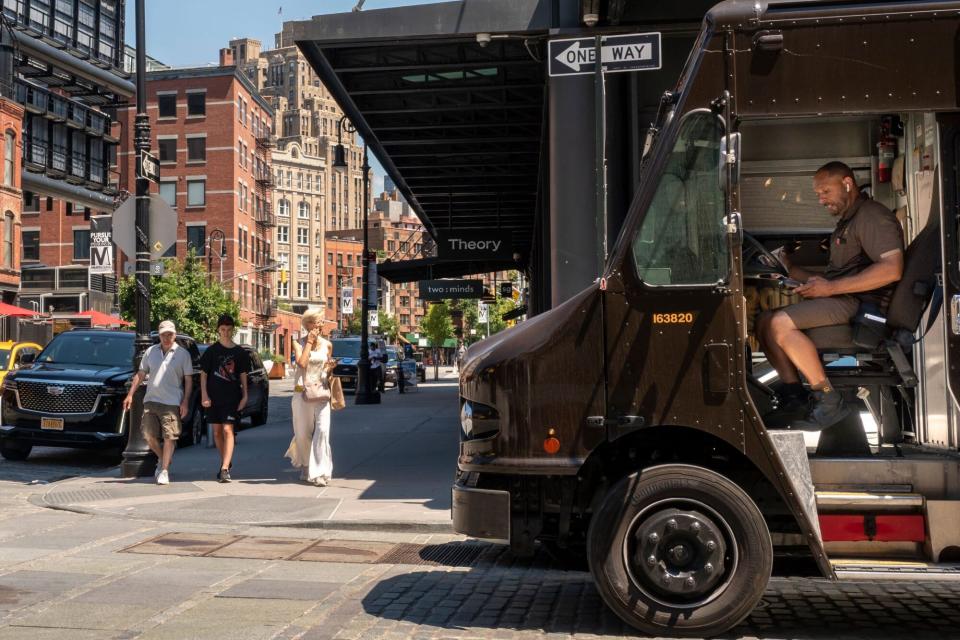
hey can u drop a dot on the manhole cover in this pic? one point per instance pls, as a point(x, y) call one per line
point(356, 551)
point(183, 544)
point(453, 554)
point(262, 548)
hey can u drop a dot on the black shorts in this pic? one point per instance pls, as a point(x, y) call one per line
point(223, 414)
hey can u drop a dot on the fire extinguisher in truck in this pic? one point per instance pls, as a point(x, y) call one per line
point(886, 150)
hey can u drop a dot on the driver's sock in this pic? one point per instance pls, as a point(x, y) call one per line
point(792, 390)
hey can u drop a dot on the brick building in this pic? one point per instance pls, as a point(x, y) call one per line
point(212, 134)
point(344, 268)
point(11, 200)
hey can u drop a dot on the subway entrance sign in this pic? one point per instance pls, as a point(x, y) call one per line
point(444, 289)
point(631, 52)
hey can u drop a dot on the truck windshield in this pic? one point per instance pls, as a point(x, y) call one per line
point(107, 350)
point(346, 348)
point(682, 238)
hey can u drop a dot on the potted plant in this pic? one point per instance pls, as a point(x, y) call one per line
point(279, 368)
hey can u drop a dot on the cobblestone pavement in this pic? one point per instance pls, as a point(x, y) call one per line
point(67, 575)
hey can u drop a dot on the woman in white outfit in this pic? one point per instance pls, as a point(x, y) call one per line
point(310, 448)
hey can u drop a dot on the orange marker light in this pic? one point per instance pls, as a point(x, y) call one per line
point(551, 444)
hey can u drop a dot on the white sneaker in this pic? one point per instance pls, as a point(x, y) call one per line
point(163, 478)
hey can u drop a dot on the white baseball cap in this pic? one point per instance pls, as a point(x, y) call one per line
point(167, 326)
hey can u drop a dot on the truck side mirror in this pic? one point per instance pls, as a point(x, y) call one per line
point(729, 157)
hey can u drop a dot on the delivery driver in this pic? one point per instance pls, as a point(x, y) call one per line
point(866, 258)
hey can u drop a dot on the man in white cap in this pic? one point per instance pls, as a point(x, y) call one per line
point(166, 402)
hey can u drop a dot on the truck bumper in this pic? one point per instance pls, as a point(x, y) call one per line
point(481, 513)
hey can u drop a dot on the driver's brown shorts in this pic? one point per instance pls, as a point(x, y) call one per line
point(822, 312)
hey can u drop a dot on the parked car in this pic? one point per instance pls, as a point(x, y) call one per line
point(258, 389)
point(390, 374)
point(347, 352)
point(11, 353)
point(71, 394)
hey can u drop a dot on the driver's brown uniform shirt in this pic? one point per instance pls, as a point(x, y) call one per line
point(866, 232)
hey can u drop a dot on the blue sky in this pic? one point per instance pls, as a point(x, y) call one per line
point(190, 33)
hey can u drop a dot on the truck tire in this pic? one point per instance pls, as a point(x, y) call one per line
point(15, 451)
point(679, 550)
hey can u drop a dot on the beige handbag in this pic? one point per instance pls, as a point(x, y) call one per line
point(337, 401)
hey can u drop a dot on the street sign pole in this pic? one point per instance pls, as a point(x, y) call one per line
point(137, 460)
point(367, 391)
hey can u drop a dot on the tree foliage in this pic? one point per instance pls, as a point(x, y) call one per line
point(389, 327)
point(183, 295)
point(437, 325)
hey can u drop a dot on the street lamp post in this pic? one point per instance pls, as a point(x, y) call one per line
point(137, 460)
point(217, 234)
point(366, 392)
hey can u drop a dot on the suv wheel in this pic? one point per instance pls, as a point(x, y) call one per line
point(260, 417)
point(15, 451)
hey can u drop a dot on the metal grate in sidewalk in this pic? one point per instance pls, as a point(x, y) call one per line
point(452, 554)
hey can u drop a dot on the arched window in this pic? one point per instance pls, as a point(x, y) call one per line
point(8, 239)
point(303, 210)
point(284, 207)
point(9, 161)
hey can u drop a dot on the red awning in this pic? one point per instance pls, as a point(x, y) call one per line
point(7, 310)
point(100, 319)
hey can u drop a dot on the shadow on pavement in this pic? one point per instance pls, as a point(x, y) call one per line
point(557, 601)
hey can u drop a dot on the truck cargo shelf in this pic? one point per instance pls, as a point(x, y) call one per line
point(869, 501)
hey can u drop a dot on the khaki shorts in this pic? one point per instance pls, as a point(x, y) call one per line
point(161, 419)
point(822, 312)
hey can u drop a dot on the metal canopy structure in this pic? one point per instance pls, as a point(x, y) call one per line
point(457, 126)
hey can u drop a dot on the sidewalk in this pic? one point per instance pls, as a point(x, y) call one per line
point(394, 464)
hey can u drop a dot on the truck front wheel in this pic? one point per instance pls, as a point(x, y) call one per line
point(679, 550)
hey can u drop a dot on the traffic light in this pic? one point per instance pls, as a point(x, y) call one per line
point(283, 276)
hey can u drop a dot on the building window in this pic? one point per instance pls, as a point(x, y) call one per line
point(303, 236)
point(303, 263)
point(81, 244)
point(196, 193)
point(9, 162)
point(31, 205)
point(30, 241)
point(283, 290)
point(168, 149)
point(197, 239)
point(299, 181)
point(318, 239)
point(168, 191)
point(8, 239)
point(302, 289)
point(196, 104)
point(329, 258)
point(283, 233)
point(167, 106)
point(303, 211)
point(196, 149)
point(283, 208)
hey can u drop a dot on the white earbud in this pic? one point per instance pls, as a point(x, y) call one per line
point(847, 185)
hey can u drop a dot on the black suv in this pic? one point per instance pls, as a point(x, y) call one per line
point(72, 394)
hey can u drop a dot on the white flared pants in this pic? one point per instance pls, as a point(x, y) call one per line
point(310, 449)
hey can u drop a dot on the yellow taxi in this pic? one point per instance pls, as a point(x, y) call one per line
point(11, 352)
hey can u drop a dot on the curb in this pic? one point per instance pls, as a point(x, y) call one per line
point(391, 526)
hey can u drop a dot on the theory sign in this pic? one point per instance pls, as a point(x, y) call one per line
point(475, 245)
point(633, 52)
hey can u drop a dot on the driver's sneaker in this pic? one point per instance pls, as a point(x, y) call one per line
point(163, 478)
point(792, 407)
point(827, 408)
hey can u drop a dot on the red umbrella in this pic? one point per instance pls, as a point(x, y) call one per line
point(100, 319)
point(10, 310)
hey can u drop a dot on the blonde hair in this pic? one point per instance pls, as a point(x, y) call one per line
point(312, 316)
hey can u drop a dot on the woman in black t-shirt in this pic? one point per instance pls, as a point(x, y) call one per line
point(223, 387)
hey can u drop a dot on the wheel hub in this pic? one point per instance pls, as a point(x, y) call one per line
point(679, 553)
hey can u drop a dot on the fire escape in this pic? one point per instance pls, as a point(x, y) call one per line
point(266, 305)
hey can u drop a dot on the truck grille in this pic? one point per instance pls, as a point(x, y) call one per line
point(345, 370)
point(75, 398)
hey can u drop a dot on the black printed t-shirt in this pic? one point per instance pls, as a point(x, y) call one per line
point(223, 367)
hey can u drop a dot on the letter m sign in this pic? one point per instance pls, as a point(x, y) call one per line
point(101, 259)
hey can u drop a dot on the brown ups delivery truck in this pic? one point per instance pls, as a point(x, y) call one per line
point(627, 424)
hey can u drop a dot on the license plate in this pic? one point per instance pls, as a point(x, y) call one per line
point(54, 424)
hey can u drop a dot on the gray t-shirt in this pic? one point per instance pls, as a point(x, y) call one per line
point(166, 372)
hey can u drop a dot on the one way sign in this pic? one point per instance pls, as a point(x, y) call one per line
point(632, 52)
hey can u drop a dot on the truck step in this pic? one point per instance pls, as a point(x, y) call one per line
point(867, 501)
point(854, 570)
